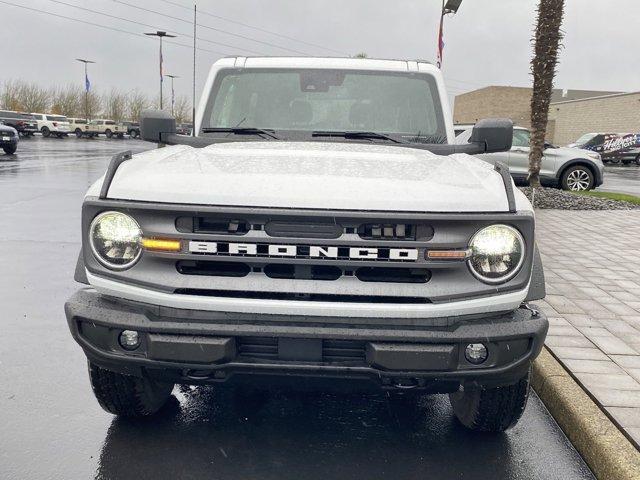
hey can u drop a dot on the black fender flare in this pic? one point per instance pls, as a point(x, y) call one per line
point(80, 274)
point(537, 288)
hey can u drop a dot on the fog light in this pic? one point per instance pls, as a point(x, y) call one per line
point(129, 339)
point(476, 353)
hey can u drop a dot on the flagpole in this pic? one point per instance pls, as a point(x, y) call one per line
point(86, 86)
point(160, 34)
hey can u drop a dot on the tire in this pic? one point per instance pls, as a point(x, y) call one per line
point(60, 135)
point(45, 132)
point(577, 178)
point(108, 133)
point(134, 134)
point(637, 159)
point(614, 160)
point(121, 135)
point(10, 150)
point(78, 133)
point(128, 396)
point(492, 409)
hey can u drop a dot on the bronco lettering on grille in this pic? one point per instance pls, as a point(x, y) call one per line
point(303, 251)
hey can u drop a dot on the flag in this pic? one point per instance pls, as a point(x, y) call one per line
point(440, 43)
point(87, 83)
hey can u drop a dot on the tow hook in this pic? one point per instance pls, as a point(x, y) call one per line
point(526, 306)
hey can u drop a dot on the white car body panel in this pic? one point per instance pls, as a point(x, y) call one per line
point(319, 175)
point(495, 303)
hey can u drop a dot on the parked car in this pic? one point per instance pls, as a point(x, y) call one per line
point(184, 128)
point(336, 234)
point(569, 168)
point(133, 129)
point(108, 128)
point(612, 147)
point(79, 126)
point(24, 123)
point(49, 124)
point(8, 139)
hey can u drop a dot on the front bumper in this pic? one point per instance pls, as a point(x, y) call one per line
point(197, 347)
point(6, 143)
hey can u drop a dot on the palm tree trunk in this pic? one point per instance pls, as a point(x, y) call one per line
point(543, 67)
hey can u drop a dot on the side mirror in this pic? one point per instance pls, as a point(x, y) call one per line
point(495, 133)
point(156, 124)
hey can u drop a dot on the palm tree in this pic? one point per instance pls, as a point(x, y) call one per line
point(543, 67)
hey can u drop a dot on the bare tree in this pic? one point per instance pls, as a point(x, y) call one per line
point(93, 106)
point(115, 104)
point(543, 67)
point(31, 98)
point(9, 98)
point(136, 102)
point(68, 101)
point(182, 109)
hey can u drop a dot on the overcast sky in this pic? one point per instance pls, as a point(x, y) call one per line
point(486, 43)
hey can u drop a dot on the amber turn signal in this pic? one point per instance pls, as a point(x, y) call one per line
point(448, 254)
point(161, 244)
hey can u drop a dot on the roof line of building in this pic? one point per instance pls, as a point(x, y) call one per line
point(621, 94)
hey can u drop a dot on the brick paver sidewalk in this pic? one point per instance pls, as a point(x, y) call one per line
point(592, 268)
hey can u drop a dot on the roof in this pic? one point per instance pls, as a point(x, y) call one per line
point(330, 62)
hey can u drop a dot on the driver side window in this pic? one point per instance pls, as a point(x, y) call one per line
point(520, 138)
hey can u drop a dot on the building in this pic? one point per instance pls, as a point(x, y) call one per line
point(618, 113)
point(508, 102)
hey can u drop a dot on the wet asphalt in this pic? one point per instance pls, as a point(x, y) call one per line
point(52, 427)
point(622, 179)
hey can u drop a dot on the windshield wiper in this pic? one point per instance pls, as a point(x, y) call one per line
point(242, 131)
point(357, 135)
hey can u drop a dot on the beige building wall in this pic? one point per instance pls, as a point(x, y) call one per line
point(612, 113)
point(495, 101)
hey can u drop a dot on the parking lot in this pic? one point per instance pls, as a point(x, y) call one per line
point(206, 431)
point(622, 179)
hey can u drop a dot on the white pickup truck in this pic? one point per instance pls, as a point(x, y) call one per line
point(321, 225)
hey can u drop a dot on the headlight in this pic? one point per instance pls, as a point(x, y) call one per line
point(497, 253)
point(594, 155)
point(116, 240)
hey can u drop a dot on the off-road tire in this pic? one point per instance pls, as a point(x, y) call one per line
point(580, 171)
point(10, 150)
point(128, 396)
point(108, 133)
point(492, 409)
point(133, 134)
point(78, 133)
point(45, 132)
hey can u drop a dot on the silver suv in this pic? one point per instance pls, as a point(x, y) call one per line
point(569, 168)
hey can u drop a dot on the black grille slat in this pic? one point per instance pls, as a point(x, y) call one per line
point(266, 348)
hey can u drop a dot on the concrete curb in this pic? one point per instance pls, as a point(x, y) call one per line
point(609, 454)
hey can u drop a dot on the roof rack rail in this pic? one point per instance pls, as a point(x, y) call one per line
point(503, 170)
point(117, 160)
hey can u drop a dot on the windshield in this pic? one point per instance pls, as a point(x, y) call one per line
point(327, 100)
point(53, 118)
point(585, 138)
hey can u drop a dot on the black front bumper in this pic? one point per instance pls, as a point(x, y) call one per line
point(195, 347)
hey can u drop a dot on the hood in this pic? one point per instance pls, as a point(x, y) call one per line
point(568, 151)
point(318, 175)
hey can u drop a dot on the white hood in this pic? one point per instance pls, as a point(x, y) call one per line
point(344, 176)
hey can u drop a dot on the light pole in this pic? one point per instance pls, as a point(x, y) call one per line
point(173, 95)
point(448, 7)
point(160, 34)
point(87, 86)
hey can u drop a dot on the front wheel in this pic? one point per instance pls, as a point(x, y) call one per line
point(45, 132)
point(78, 133)
point(133, 134)
point(126, 395)
point(491, 409)
point(10, 149)
point(108, 133)
point(577, 178)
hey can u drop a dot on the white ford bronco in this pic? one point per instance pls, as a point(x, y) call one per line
point(322, 229)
